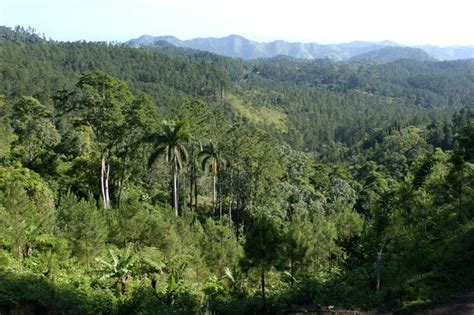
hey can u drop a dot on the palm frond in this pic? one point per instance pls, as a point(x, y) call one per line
point(183, 153)
point(155, 155)
point(103, 262)
point(169, 153)
point(228, 274)
point(114, 257)
point(108, 275)
point(204, 162)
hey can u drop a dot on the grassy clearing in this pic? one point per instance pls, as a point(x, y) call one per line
point(262, 115)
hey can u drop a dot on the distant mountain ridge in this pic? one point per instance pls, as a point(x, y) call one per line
point(241, 47)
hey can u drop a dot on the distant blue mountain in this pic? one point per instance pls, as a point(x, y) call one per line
point(240, 47)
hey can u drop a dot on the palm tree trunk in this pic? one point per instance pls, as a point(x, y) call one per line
point(175, 189)
point(214, 193)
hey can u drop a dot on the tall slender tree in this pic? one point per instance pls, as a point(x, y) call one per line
point(194, 148)
point(171, 143)
point(210, 155)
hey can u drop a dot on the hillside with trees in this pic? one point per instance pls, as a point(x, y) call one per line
point(165, 180)
point(389, 54)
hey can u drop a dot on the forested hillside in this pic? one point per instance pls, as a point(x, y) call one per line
point(168, 180)
point(389, 54)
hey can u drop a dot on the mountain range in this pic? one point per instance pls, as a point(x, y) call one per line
point(241, 47)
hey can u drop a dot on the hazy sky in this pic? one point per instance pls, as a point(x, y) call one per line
point(441, 22)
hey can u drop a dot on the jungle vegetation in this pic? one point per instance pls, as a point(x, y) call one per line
point(166, 180)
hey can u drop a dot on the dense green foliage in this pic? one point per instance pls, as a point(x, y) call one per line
point(175, 181)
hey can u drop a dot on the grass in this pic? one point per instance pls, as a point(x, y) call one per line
point(261, 115)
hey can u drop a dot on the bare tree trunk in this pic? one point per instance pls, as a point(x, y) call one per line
point(214, 193)
point(107, 185)
point(175, 190)
point(377, 268)
point(102, 182)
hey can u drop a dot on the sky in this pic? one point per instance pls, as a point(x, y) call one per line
point(410, 22)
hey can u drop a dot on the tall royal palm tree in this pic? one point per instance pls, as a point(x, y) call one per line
point(171, 143)
point(194, 148)
point(211, 156)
